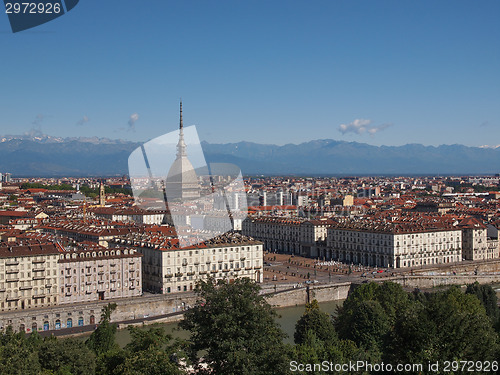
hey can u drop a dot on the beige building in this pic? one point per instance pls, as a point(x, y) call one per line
point(348, 201)
point(169, 269)
point(370, 242)
point(130, 215)
point(393, 245)
point(28, 276)
point(95, 273)
point(476, 245)
point(286, 235)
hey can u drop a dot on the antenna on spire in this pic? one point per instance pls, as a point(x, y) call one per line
point(180, 121)
point(181, 145)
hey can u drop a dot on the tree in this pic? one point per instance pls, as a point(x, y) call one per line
point(18, 355)
point(369, 313)
point(66, 356)
point(448, 325)
point(488, 298)
point(235, 328)
point(310, 350)
point(102, 340)
point(150, 362)
point(316, 321)
point(368, 326)
point(150, 352)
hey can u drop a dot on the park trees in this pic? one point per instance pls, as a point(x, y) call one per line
point(317, 321)
point(233, 330)
point(448, 325)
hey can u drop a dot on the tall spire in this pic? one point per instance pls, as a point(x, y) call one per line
point(181, 145)
point(180, 122)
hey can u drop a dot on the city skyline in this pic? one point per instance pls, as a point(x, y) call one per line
point(275, 73)
point(249, 187)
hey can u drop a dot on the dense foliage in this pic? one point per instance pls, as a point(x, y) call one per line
point(233, 330)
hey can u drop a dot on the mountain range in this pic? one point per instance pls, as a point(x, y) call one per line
point(43, 155)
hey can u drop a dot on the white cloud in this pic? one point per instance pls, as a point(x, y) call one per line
point(132, 120)
point(361, 126)
point(83, 120)
point(376, 129)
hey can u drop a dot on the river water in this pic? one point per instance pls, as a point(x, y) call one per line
point(288, 316)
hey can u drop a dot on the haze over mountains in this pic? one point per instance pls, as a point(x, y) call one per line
point(43, 155)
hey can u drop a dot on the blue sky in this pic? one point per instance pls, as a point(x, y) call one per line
point(380, 72)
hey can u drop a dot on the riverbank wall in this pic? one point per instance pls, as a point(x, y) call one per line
point(81, 318)
point(433, 281)
point(300, 296)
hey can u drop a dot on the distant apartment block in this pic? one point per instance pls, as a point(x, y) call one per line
point(368, 192)
point(131, 215)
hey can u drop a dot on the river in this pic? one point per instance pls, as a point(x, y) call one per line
point(288, 316)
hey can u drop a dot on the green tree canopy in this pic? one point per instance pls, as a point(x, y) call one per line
point(316, 321)
point(233, 330)
point(102, 340)
point(18, 355)
point(487, 297)
point(449, 325)
point(66, 356)
point(151, 351)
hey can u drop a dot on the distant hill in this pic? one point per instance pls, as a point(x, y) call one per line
point(50, 156)
point(328, 156)
point(42, 155)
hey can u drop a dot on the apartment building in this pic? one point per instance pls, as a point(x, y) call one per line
point(88, 272)
point(386, 244)
point(286, 235)
point(168, 268)
point(130, 215)
point(28, 275)
point(476, 245)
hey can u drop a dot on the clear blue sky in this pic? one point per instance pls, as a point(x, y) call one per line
point(263, 71)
